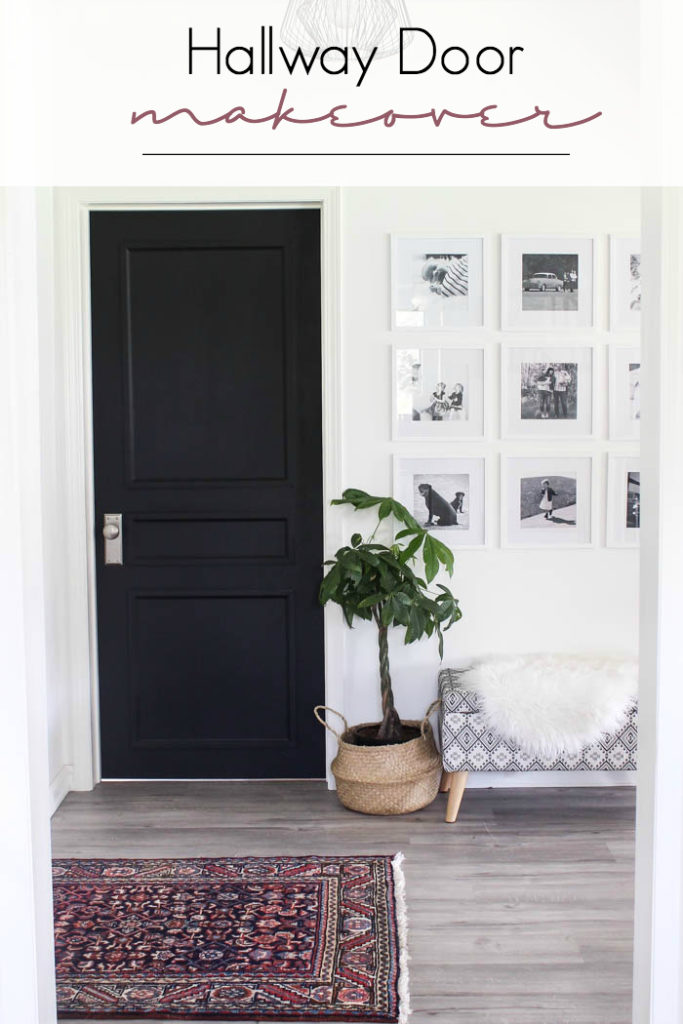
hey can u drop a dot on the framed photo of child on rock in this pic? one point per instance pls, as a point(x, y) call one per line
point(548, 501)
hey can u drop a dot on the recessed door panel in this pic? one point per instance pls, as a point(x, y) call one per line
point(205, 367)
point(208, 639)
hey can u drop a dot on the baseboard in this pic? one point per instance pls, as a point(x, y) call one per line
point(60, 786)
point(530, 780)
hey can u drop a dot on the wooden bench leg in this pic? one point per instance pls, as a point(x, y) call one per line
point(455, 792)
point(446, 778)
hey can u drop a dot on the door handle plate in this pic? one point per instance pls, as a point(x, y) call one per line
point(112, 531)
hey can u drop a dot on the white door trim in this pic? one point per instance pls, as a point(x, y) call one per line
point(72, 261)
point(658, 952)
point(27, 981)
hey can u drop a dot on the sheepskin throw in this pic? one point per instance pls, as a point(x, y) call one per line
point(549, 704)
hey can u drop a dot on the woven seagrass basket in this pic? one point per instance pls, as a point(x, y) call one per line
point(391, 779)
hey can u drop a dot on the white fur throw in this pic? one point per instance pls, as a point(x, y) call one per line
point(550, 704)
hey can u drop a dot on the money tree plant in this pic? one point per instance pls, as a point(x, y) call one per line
point(377, 582)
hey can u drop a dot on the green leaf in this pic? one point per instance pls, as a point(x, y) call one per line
point(430, 559)
point(356, 539)
point(387, 614)
point(367, 556)
point(405, 533)
point(443, 554)
point(330, 583)
point(411, 549)
point(384, 510)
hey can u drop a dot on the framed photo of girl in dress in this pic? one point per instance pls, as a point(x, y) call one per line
point(546, 283)
point(437, 284)
point(438, 393)
point(547, 391)
point(446, 496)
point(548, 502)
point(623, 501)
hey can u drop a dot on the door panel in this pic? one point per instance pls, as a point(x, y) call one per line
point(207, 422)
point(213, 377)
point(170, 636)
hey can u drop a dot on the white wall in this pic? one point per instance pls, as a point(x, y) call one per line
point(512, 601)
point(26, 946)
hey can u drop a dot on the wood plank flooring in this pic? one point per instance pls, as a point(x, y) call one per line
point(520, 913)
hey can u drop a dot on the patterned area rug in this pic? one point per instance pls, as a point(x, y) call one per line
point(240, 938)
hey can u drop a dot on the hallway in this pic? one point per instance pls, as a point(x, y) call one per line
point(521, 913)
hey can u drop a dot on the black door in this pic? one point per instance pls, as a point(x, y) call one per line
point(207, 414)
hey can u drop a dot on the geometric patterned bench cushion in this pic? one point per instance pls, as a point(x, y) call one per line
point(467, 744)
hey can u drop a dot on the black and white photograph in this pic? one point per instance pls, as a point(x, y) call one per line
point(550, 281)
point(547, 501)
point(624, 392)
point(444, 495)
point(547, 391)
point(546, 282)
point(438, 392)
point(634, 391)
point(437, 283)
point(632, 500)
point(442, 501)
point(623, 501)
point(625, 284)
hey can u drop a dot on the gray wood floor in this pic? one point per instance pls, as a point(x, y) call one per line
point(521, 913)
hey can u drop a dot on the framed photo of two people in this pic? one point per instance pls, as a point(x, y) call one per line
point(547, 392)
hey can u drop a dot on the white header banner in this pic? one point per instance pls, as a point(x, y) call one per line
point(341, 91)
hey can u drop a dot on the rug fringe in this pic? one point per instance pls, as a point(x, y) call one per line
point(402, 923)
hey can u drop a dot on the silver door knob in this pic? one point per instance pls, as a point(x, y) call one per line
point(112, 530)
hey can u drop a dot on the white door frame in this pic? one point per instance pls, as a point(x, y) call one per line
point(72, 261)
point(658, 953)
point(27, 981)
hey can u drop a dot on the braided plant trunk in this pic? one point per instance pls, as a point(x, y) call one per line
point(390, 730)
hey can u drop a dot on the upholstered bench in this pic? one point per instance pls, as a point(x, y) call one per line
point(467, 745)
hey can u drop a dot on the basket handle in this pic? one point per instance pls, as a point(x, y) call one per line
point(324, 707)
point(428, 713)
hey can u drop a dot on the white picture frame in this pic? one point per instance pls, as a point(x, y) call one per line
point(437, 283)
point(623, 501)
point(462, 479)
point(624, 283)
point(547, 283)
point(624, 392)
point(547, 391)
point(527, 523)
point(422, 410)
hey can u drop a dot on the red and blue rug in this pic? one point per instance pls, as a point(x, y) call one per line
point(240, 938)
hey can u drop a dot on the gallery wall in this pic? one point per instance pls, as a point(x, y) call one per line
point(513, 600)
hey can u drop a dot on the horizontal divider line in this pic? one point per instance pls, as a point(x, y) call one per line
point(357, 154)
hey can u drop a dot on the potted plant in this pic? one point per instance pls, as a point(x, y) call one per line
point(390, 766)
